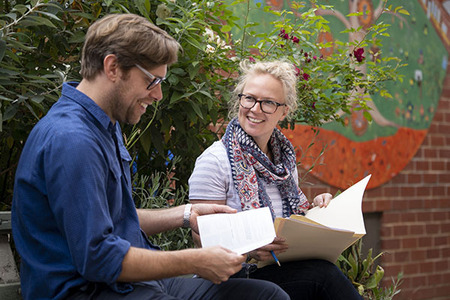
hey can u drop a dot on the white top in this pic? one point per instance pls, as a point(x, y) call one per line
point(212, 180)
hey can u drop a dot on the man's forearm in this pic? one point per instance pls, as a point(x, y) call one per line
point(154, 221)
point(142, 264)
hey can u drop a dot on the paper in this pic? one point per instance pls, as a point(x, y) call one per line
point(324, 233)
point(344, 211)
point(240, 232)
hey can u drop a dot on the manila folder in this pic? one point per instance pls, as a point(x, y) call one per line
point(324, 232)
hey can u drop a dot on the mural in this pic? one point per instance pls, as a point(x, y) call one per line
point(384, 146)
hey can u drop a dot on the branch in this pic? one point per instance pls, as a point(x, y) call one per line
point(337, 14)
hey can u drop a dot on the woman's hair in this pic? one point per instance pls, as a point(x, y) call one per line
point(132, 38)
point(282, 70)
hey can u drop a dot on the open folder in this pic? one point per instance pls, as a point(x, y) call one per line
point(324, 232)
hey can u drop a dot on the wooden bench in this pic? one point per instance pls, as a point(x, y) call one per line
point(9, 276)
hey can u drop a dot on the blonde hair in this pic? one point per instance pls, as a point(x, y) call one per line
point(281, 70)
point(132, 38)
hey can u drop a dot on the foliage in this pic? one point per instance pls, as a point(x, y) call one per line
point(40, 45)
point(362, 274)
point(156, 192)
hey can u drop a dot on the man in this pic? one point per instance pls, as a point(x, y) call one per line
point(74, 221)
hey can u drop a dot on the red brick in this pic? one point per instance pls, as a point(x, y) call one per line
point(444, 178)
point(408, 191)
point(408, 243)
point(430, 153)
point(427, 267)
point(442, 265)
point(388, 244)
point(441, 241)
point(400, 230)
point(414, 178)
point(423, 165)
point(437, 140)
point(423, 217)
point(430, 178)
point(391, 192)
point(432, 228)
point(416, 204)
point(439, 216)
point(408, 217)
point(418, 255)
point(383, 205)
point(385, 232)
point(425, 242)
point(416, 229)
point(433, 253)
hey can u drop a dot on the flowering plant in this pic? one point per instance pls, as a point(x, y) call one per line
point(41, 41)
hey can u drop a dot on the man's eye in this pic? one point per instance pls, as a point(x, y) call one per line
point(249, 98)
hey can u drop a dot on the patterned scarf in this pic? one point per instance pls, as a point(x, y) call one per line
point(249, 166)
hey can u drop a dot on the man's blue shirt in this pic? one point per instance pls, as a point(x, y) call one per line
point(73, 217)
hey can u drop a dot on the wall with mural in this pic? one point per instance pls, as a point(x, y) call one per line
point(384, 146)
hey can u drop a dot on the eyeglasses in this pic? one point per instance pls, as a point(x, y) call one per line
point(154, 81)
point(267, 106)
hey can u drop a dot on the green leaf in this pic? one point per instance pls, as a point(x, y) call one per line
point(196, 108)
point(225, 28)
point(2, 49)
point(37, 21)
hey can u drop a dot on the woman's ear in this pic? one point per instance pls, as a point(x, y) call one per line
point(285, 113)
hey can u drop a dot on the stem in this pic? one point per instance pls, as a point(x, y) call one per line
point(245, 28)
point(23, 16)
point(133, 138)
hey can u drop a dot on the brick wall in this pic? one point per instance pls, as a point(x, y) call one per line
point(415, 213)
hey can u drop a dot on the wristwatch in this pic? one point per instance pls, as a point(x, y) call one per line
point(187, 216)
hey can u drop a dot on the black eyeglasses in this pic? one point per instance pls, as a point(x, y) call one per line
point(154, 81)
point(267, 106)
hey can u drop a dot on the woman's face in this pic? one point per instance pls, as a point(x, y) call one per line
point(254, 121)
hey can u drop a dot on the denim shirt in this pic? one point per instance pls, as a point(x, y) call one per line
point(73, 216)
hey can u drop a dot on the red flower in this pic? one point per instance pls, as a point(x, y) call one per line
point(297, 71)
point(251, 59)
point(295, 39)
point(359, 54)
point(306, 76)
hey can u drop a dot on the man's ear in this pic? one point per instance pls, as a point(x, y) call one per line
point(111, 67)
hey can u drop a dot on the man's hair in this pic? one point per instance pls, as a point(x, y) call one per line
point(132, 39)
point(281, 70)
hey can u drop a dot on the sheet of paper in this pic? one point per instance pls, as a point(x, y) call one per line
point(240, 232)
point(344, 211)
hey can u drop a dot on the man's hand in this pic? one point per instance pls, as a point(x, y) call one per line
point(322, 200)
point(277, 246)
point(217, 264)
point(206, 209)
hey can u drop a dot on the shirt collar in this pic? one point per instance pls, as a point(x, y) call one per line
point(69, 90)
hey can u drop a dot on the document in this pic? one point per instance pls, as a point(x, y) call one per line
point(324, 232)
point(240, 232)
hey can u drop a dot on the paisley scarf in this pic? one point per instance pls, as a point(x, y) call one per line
point(250, 166)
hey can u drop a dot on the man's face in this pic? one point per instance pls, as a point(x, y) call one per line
point(130, 99)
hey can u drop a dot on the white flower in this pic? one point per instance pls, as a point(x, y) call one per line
point(210, 49)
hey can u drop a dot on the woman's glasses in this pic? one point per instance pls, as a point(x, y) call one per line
point(267, 106)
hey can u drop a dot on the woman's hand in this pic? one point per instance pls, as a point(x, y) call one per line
point(277, 246)
point(322, 200)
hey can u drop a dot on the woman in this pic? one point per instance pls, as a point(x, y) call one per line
point(254, 166)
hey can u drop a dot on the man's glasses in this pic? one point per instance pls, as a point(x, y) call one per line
point(267, 106)
point(154, 81)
